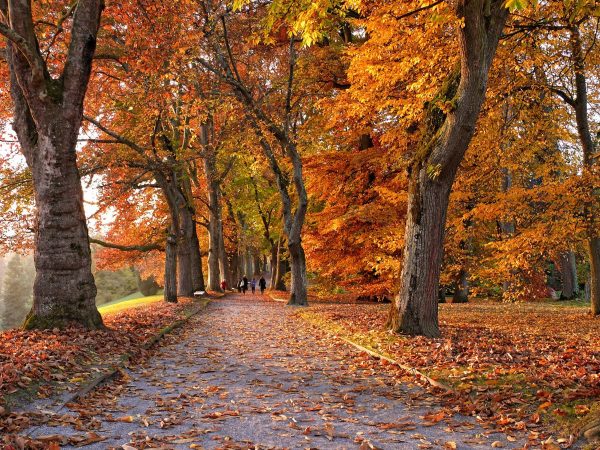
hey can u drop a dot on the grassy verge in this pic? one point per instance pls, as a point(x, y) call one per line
point(532, 367)
point(41, 363)
point(128, 303)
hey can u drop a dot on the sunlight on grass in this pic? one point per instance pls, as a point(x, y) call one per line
point(127, 304)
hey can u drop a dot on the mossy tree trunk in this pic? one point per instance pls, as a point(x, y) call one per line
point(48, 113)
point(448, 129)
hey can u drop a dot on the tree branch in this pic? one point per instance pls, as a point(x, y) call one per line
point(129, 248)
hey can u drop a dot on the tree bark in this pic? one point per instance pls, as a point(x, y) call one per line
point(184, 253)
point(170, 294)
point(590, 163)
point(594, 252)
point(224, 269)
point(298, 285)
point(196, 260)
point(277, 282)
point(445, 139)
point(257, 262)
point(568, 275)
point(47, 117)
point(214, 210)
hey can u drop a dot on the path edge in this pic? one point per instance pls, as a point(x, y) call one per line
point(124, 359)
point(380, 356)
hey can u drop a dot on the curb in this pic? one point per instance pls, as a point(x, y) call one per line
point(107, 375)
point(382, 357)
point(275, 299)
point(409, 369)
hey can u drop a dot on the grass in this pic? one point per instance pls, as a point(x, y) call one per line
point(127, 303)
point(533, 363)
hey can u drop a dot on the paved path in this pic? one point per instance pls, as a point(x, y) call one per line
point(246, 374)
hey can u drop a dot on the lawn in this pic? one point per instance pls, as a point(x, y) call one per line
point(520, 366)
point(128, 303)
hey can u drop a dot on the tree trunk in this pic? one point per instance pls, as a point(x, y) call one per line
point(223, 260)
point(568, 275)
point(594, 252)
point(214, 268)
point(298, 284)
point(273, 264)
point(461, 290)
point(214, 219)
point(170, 294)
point(277, 282)
point(445, 138)
point(590, 163)
point(196, 261)
point(184, 255)
point(64, 289)
point(248, 264)
point(415, 310)
point(257, 265)
point(47, 117)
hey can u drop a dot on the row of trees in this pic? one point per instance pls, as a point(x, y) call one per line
point(450, 140)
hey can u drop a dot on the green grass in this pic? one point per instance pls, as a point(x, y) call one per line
point(580, 303)
point(129, 302)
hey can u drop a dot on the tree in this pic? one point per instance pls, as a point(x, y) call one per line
point(448, 128)
point(48, 111)
point(224, 64)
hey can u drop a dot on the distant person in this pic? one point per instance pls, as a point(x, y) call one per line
point(253, 285)
point(224, 285)
point(262, 283)
point(244, 284)
point(240, 285)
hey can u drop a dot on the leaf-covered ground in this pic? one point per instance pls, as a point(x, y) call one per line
point(249, 374)
point(36, 364)
point(528, 367)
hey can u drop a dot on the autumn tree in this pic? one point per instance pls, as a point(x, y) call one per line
point(448, 126)
point(271, 127)
point(48, 110)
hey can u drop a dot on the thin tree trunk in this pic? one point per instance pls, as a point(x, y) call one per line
point(568, 275)
point(196, 261)
point(594, 252)
point(257, 265)
point(214, 210)
point(590, 163)
point(184, 254)
point(273, 264)
point(445, 138)
point(298, 294)
point(280, 268)
point(170, 294)
point(223, 261)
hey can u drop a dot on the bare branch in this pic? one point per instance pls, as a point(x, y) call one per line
point(129, 248)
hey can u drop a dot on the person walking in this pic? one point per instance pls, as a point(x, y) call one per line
point(244, 284)
point(253, 285)
point(240, 285)
point(262, 284)
point(224, 285)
